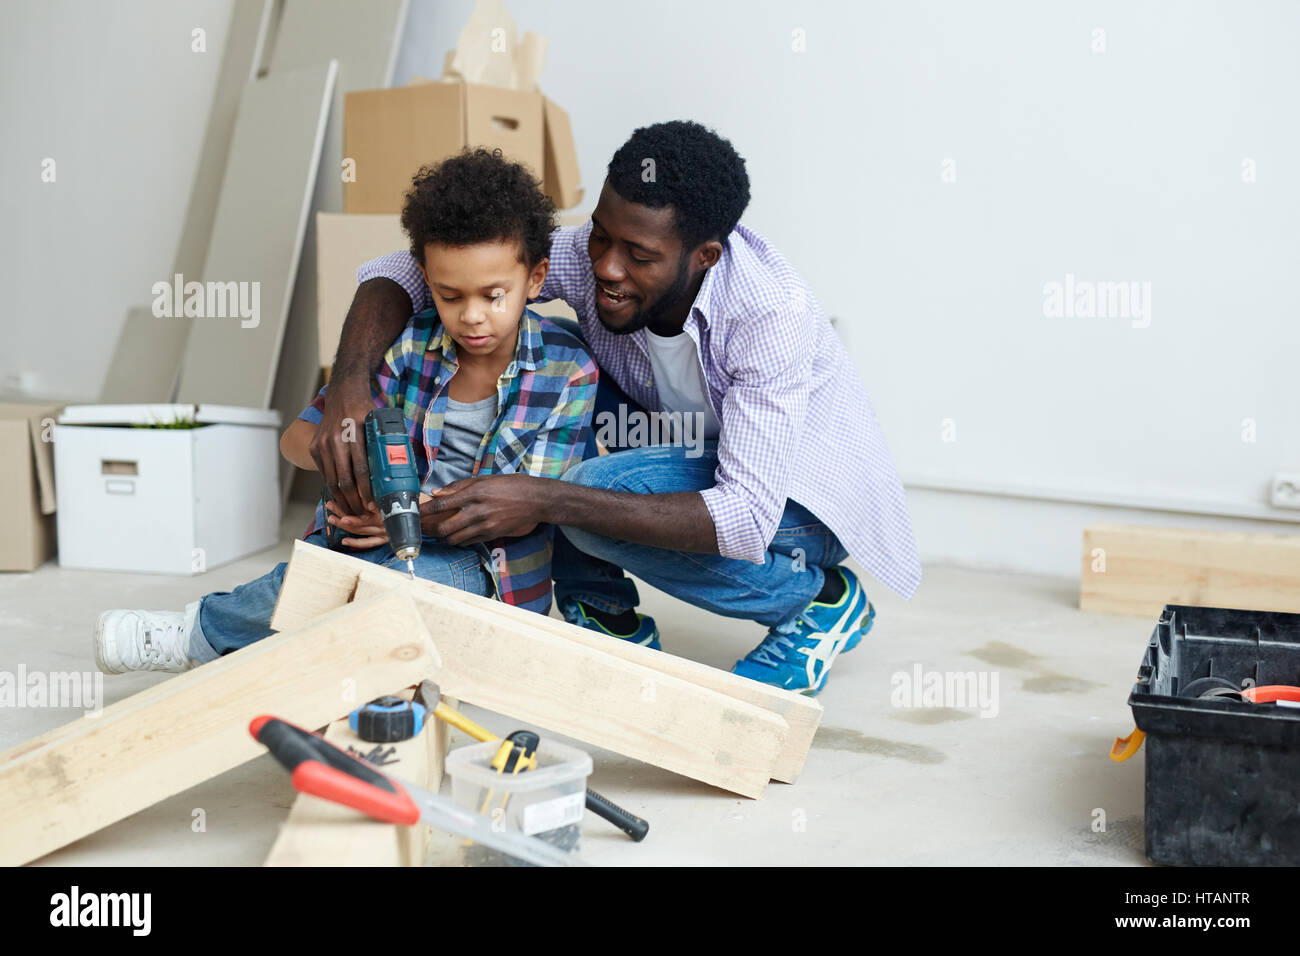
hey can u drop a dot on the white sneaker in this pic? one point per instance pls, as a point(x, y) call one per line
point(141, 641)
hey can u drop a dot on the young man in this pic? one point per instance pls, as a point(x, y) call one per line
point(687, 311)
point(486, 387)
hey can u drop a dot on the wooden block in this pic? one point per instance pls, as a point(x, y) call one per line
point(321, 833)
point(333, 579)
point(1128, 569)
point(82, 776)
point(522, 668)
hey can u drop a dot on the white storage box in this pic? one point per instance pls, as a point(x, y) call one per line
point(136, 496)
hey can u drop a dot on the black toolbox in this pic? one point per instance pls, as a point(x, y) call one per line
point(1222, 775)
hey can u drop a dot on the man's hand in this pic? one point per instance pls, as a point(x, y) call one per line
point(483, 509)
point(339, 446)
point(366, 530)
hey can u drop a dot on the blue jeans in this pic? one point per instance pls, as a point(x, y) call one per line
point(589, 567)
point(225, 621)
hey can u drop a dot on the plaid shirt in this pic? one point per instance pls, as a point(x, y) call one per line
point(796, 419)
point(544, 402)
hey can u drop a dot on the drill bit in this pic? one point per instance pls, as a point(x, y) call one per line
point(410, 566)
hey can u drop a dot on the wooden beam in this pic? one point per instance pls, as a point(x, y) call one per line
point(97, 770)
point(519, 668)
point(1129, 569)
point(331, 580)
point(320, 833)
point(591, 695)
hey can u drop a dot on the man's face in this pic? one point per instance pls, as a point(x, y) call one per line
point(480, 291)
point(641, 269)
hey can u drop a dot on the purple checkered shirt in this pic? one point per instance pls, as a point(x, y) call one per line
point(796, 419)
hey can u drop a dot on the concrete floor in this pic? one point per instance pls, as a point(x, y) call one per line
point(884, 784)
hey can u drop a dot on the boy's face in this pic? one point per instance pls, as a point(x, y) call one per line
point(480, 292)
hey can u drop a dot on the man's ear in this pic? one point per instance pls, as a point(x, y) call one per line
point(537, 278)
point(424, 275)
point(708, 254)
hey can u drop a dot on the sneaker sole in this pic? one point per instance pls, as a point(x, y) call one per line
point(100, 662)
point(854, 640)
point(856, 637)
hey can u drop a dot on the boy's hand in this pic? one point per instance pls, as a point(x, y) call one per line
point(485, 508)
point(366, 530)
point(339, 450)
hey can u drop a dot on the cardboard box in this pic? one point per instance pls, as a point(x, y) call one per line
point(391, 133)
point(27, 485)
point(167, 500)
point(343, 244)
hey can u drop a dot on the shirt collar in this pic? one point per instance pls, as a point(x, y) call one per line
point(710, 289)
point(529, 352)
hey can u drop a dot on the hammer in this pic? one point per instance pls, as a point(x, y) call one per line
point(430, 696)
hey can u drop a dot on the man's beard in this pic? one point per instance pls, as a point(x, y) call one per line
point(659, 307)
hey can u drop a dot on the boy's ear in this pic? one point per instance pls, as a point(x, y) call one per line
point(537, 278)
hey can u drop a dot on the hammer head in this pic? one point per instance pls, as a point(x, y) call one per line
point(428, 694)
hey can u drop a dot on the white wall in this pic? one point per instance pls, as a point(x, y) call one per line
point(114, 94)
point(1119, 165)
point(1112, 166)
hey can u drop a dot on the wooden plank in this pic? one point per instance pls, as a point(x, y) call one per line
point(1129, 569)
point(333, 580)
point(257, 236)
point(321, 833)
point(518, 668)
point(83, 776)
point(147, 358)
point(362, 36)
point(493, 661)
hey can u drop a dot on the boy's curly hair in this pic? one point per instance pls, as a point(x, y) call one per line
point(478, 196)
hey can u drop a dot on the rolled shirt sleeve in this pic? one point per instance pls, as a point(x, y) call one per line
point(312, 413)
point(402, 268)
point(763, 415)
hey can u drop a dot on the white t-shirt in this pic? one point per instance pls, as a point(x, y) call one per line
point(679, 380)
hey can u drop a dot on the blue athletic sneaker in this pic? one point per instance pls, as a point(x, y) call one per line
point(799, 656)
point(646, 634)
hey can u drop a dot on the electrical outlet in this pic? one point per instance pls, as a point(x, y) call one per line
point(1286, 490)
point(24, 382)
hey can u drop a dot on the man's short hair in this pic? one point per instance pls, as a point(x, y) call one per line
point(694, 170)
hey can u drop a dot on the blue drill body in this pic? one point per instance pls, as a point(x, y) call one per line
point(395, 481)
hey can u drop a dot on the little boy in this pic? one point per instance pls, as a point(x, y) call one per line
point(486, 386)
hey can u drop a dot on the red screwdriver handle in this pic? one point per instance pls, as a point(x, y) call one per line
point(319, 768)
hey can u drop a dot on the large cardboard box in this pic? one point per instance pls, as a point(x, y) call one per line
point(27, 491)
point(166, 499)
point(389, 134)
point(343, 244)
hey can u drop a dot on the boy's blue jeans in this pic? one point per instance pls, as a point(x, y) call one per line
point(590, 568)
point(225, 621)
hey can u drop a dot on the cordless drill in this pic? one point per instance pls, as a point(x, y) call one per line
point(394, 482)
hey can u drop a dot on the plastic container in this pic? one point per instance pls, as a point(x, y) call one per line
point(546, 802)
point(1221, 774)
